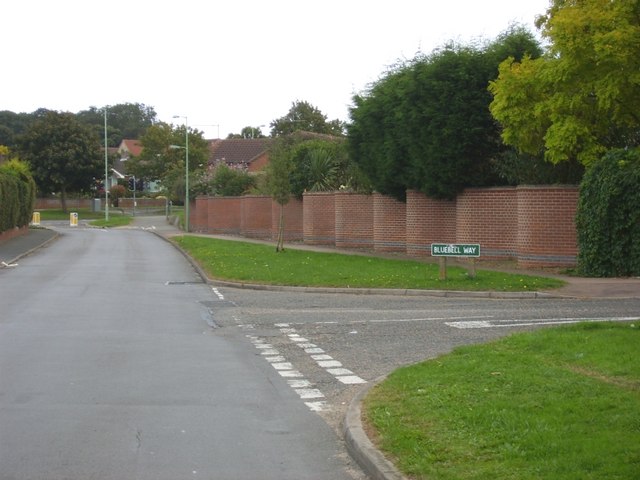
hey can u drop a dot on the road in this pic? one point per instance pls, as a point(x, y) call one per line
point(372, 335)
point(109, 369)
point(117, 361)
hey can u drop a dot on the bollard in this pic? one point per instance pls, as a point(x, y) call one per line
point(35, 220)
point(73, 219)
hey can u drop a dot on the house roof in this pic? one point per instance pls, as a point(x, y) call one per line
point(132, 147)
point(237, 151)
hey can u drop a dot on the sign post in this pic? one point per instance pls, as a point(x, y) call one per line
point(444, 250)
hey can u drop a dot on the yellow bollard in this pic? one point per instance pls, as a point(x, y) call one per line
point(73, 219)
point(35, 220)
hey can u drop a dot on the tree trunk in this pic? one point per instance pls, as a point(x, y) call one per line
point(280, 244)
point(63, 199)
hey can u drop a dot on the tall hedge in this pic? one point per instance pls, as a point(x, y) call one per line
point(17, 195)
point(608, 217)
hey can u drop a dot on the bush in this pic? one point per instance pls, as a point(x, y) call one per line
point(608, 217)
point(17, 195)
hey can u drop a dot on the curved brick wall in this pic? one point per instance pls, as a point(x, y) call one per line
point(319, 218)
point(293, 231)
point(255, 220)
point(488, 216)
point(389, 224)
point(354, 220)
point(546, 230)
point(224, 215)
point(534, 225)
point(429, 221)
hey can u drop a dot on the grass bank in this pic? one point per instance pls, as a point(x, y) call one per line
point(554, 404)
point(259, 263)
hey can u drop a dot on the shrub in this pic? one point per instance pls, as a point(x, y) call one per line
point(17, 195)
point(608, 217)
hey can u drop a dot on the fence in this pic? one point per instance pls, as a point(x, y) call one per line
point(532, 224)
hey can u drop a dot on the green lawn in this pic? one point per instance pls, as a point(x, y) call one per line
point(116, 218)
point(259, 263)
point(555, 404)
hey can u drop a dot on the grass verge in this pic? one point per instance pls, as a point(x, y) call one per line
point(558, 403)
point(259, 263)
point(116, 218)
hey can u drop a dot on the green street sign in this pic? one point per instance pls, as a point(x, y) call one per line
point(455, 249)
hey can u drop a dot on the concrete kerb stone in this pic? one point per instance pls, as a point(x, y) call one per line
point(360, 447)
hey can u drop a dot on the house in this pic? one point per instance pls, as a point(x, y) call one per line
point(127, 149)
point(247, 154)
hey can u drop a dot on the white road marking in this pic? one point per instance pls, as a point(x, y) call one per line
point(531, 323)
point(316, 406)
point(351, 379)
point(299, 383)
point(217, 293)
point(270, 351)
point(275, 359)
point(290, 373)
point(337, 372)
point(329, 363)
point(314, 350)
point(331, 366)
point(308, 393)
point(401, 320)
point(322, 357)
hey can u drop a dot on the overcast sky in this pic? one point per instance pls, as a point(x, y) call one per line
point(225, 64)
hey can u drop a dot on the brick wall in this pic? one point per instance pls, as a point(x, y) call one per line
point(255, 220)
point(353, 220)
point(546, 228)
point(224, 215)
point(488, 216)
point(429, 221)
point(54, 203)
point(534, 225)
point(293, 220)
point(319, 218)
point(389, 224)
point(198, 221)
point(13, 233)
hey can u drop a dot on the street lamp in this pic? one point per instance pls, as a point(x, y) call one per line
point(106, 169)
point(186, 172)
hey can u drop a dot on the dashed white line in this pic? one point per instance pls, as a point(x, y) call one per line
point(531, 323)
point(217, 293)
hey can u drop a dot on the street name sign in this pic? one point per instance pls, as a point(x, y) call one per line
point(455, 250)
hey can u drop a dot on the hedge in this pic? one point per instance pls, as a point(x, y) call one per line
point(17, 196)
point(608, 216)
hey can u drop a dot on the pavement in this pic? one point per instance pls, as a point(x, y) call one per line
point(360, 447)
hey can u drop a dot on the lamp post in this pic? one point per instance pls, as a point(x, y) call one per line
point(186, 172)
point(106, 169)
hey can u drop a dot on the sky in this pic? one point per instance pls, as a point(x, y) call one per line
point(226, 64)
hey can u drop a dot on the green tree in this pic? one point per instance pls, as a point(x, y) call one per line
point(278, 179)
point(225, 181)
point(426, 125)
point(163, 158)
point(583, 96)
point(12, 125)
point(125, 120)
point(304, 116)
point(248, 132)
point(63, 154)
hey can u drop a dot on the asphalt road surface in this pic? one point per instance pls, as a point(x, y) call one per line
point(109, 369)
point(116, 362)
